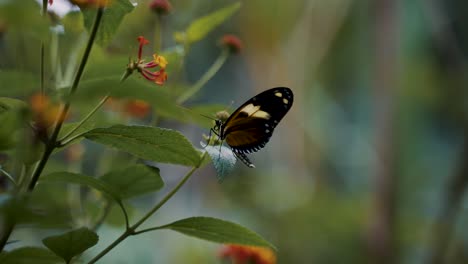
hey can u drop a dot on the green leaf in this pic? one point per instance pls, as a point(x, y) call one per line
point(7, 103)
point(27, 255)
point(8, 137)
point(76, 178)
point(204, 25)
point(72, 243)
point(113, 16)
point(38, 210)
point(151, 143)
point(134, 180)
point(16, 83)
point(223, 160)
point(217, 230)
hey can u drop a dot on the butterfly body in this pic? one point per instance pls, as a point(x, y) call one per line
point(251, 125)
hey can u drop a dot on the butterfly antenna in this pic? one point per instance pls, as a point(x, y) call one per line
point(209, 117)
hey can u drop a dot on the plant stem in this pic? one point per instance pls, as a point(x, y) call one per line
point(86, 118)
point(121, 238)
point(206, 77)
point(12, 180)
point(42, 84)
point(102, 218)
point(158, 34)
point(131, 230)
point(51, 144)
point(166, 198)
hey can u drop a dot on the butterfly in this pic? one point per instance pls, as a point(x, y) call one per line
point(250, 127)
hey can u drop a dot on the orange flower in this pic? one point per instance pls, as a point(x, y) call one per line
point(44, 111)
point(160, 76)
point(240, 254)
point(137, 108)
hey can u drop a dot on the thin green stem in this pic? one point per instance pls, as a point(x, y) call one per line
point(206, 77)
point(121, 238)
point(166, 198)
point(86, 118)
point(102, 218)
point(51, 144)
point(148, 230)
point(124, 211)
point(42, 66)
point(12, 180)
point(131, 230)
point(61, 144)
point(158, 34)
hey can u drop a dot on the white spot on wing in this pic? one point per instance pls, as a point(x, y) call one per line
point(278, 94)
point(254, 111)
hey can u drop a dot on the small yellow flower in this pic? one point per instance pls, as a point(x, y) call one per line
point(160, 60)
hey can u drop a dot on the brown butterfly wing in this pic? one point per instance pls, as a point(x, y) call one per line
point(250, 127)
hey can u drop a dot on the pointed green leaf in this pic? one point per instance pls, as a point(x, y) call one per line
point(217, 230)
point(113, 16)
point(27, 255)
point(71, 243)
point(151, 143)
point(68, 177)
point(134, 180)
point(204, 25)
point(223, 159)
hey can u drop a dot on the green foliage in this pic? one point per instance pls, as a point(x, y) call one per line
point(68, 177)
point(217, 230)
point(71, 244)
point(156, 144)
point(113, 16)
point(27, 255)
point(199, 28)
point(8, 119)
point(7, 103)
point(134, 180)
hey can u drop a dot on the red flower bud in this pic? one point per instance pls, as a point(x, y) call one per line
point(161, 7)
point(232, 42)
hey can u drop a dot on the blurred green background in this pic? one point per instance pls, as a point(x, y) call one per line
point(356, 172)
